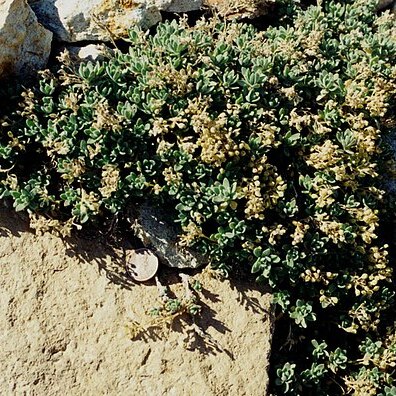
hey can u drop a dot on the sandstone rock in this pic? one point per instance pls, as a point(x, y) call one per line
point(238, 9)
point(151, 226)
point(76, 20)
point(64, 314)
point(25, 45)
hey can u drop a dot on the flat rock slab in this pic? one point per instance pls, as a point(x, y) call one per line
point(64, 310)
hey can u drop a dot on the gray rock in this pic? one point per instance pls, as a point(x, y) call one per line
point(391, 184)
point(384, 3)
point(25, 45)
point(151, 226)
point(179, 6)
point(103, 20)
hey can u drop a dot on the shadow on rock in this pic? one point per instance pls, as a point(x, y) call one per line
point(11, 222)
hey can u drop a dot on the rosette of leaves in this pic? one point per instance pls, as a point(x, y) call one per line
point(266, 145)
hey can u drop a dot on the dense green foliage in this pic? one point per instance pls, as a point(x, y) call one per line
point(269, 147)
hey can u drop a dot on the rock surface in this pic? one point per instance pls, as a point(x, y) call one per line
point(384, 3)
point(63, 317)
point(25, 45)
point(391, 184)
point(179, 6)
point(102, 20)
point(151, 227)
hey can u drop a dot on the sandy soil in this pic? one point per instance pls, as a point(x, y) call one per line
point(65, 326)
